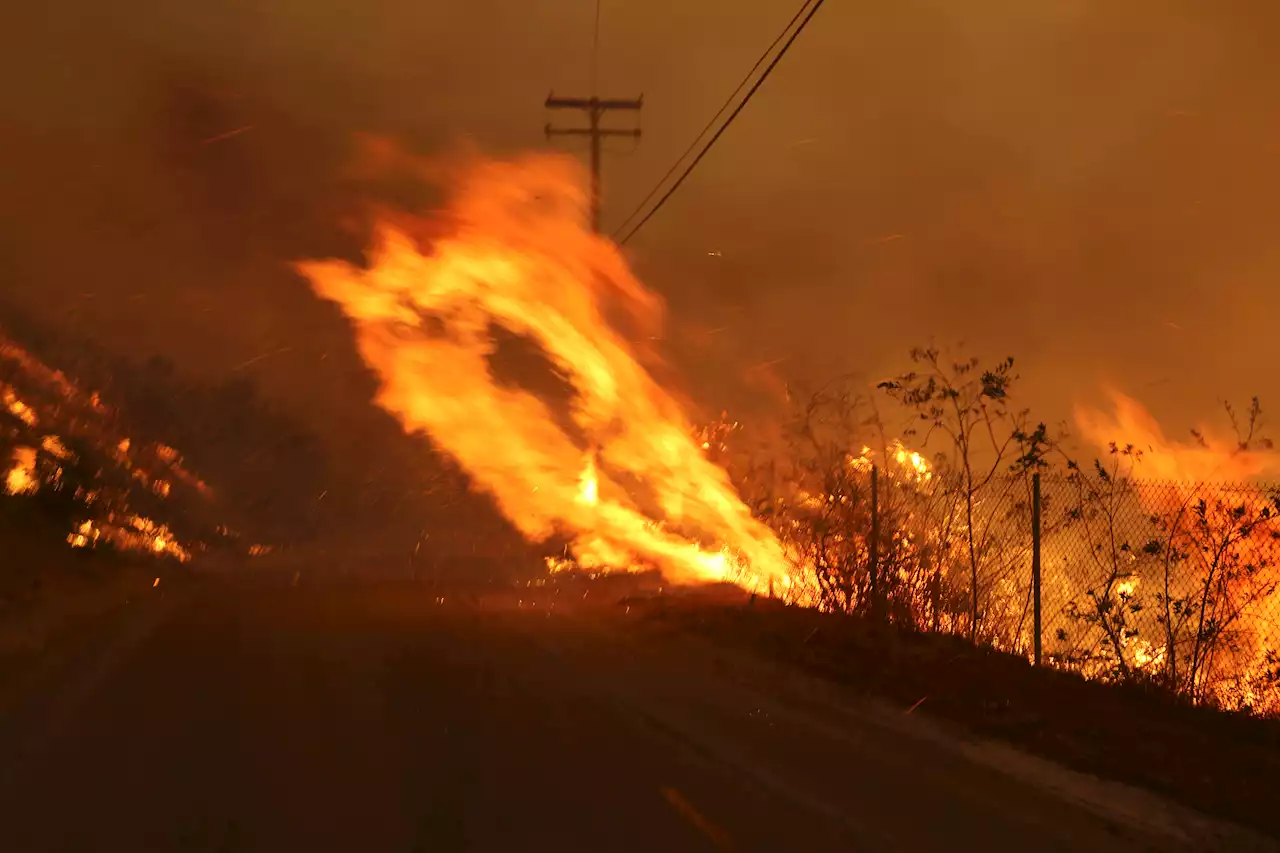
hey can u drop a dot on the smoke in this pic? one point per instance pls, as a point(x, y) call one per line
point(1092, 187)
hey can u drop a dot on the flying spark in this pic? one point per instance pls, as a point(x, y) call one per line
point(230, 133)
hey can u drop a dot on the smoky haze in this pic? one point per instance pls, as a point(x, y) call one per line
point(1092, 187)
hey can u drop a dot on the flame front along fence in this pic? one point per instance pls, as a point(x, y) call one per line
point(1116, 578)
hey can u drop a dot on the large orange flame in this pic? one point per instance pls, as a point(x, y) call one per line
point(1213, 459)
point(625, 480)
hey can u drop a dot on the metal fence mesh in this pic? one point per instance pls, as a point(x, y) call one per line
point(1172, 582)
point(1176, 582)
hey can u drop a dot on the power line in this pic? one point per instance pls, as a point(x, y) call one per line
point(733, 96)
point(595, 109)
point(595, 52)
point(817, 4)
point(813, 10)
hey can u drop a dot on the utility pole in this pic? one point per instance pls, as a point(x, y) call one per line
point(595, 108)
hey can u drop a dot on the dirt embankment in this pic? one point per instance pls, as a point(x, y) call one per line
point(1225, 765)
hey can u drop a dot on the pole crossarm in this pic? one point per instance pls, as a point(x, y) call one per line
point(555, 103)
point(595, 109)
point(586, 131)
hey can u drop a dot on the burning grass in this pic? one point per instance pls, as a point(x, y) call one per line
point(1172, 583)
point(69, 456)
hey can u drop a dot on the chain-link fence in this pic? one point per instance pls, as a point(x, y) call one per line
point(1116, 578)
point(1176, 582)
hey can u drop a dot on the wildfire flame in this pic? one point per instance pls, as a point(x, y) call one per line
point(1211, 460)
point(588, 484)
point(137, 533)
point(21, 478)
point(911, 463)
point(18, 409)
point(516, 253)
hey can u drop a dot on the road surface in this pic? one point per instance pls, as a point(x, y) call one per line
point(251, 717)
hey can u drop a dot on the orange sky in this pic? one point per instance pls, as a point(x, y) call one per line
point(1096, 191)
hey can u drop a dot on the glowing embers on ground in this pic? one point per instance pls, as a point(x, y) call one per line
point(49, 414)
point(21, 478)
point(136, 533)
point(515, 252)
point(17, 408)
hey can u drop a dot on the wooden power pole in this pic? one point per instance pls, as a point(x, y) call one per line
point(595, 108)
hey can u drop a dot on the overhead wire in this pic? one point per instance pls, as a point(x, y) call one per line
point(595, 52)
point(733, 96)
point(812, 7)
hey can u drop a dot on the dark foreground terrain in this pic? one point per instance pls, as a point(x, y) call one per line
point(263, 716)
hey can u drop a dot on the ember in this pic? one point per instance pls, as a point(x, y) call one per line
point(21, 478)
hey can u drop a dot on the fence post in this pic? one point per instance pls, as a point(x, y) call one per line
point(1035, 561)
point(873, 546)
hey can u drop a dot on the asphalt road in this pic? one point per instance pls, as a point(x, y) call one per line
point(254, 718)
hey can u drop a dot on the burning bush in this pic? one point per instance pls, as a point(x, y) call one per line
point(1180, 583)
point(70, 461)
point(1172, 583)
point(932, 543)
